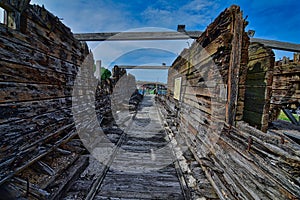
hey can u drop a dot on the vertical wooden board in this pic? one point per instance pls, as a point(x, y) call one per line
point(258, 86)
point(237, 29)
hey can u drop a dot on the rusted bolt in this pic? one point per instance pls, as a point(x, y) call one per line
point(282, 139)
point(250, 142)
point(229, 129)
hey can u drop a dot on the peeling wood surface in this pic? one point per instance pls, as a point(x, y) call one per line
point(285, 88)
point(286, 84)
point(38, 67)
point(240, 162)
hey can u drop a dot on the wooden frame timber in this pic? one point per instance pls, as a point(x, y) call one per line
point(125, 36)
point(169, 35)
point(143, 67)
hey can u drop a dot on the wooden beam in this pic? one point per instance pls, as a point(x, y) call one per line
point(273, 44)
point(291, 117)
point(127, 36)
point(142, 67)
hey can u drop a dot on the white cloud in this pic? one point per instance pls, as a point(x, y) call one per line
point(196, 13)
point(101, 16)
point(198, 5)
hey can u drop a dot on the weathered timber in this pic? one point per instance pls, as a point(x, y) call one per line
point(273, 44)
point(46, 75)
point(291, 117)
point(142, 167)
point(233, 181)
point(142, 67)
point(126, 36)
point(66, 179)
point(46, 168)
point(240, 162)
point(210, 64)
point(38, 66)
point(189, 166)
point(235, 64)
point(123, 36)
point(285, 88)
point(258, 86)
point(32, 189)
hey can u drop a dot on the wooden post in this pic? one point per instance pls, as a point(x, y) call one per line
point(237, 29)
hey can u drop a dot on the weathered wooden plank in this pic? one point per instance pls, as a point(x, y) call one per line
point(256, 155)
point(120, 36)
point(37, 156)
point(65, 180)
point(258, 86)
point(142, 67)
point(37, 60)
point(237, 29)
point(33, 43)
point(236, 164)
point(273, 44)
point(23, 142)
point(24, 110)
point(14, 72)
point(285, 88)
point(13, 92)
point(287, 70)
point(36, 66)
point(33, 189)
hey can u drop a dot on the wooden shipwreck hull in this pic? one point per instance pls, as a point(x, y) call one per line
point(38, 65)
point(240, 161)
point(40, 61)
point(45, 76)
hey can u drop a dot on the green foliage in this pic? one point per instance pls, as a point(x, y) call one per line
point(282, 116)
point(105, 73)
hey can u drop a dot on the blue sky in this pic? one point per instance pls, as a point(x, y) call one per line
point(271, 19)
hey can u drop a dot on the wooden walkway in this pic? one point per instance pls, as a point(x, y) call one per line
point(143, 166)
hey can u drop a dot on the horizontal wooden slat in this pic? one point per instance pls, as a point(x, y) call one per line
point(119, 36)
point(273, 44)
point(142, 67)
point(125, 36)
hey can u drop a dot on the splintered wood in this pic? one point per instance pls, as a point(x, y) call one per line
point(240, 161)
point(38, 67)
point(285, 87)
point(214, 87)
point(286, 84)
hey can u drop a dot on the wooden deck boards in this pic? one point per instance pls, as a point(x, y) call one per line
point(143, 167)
